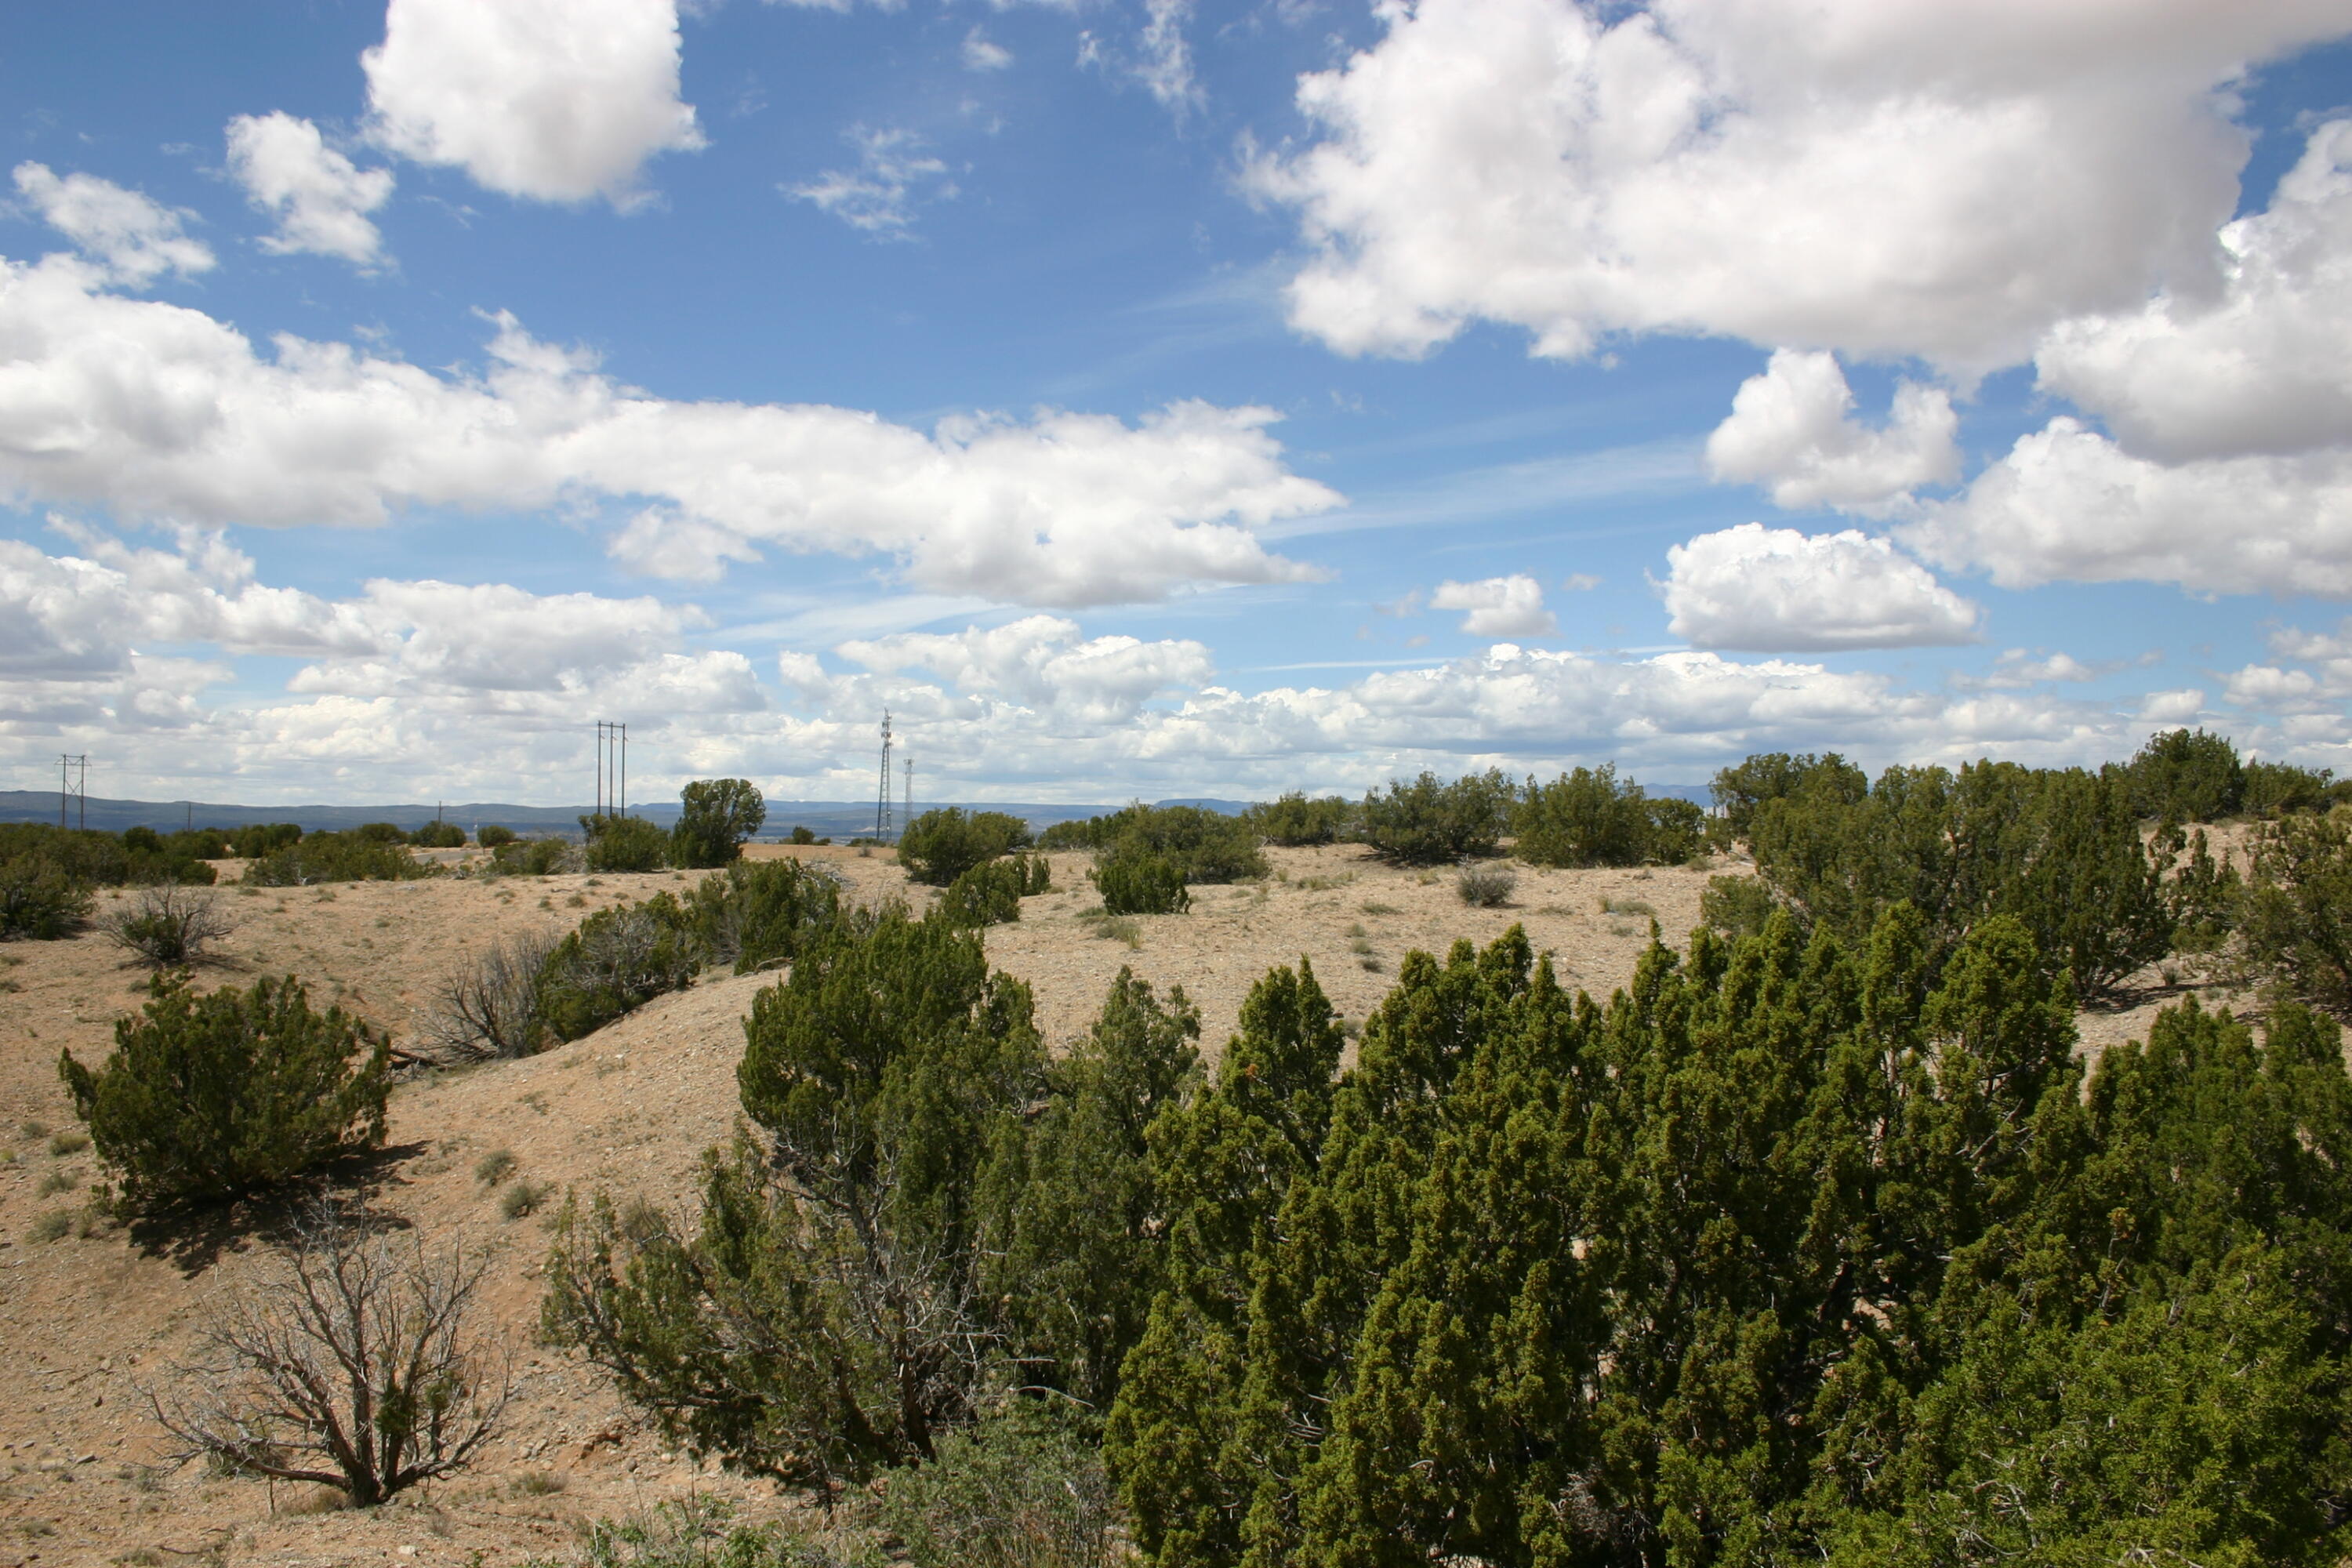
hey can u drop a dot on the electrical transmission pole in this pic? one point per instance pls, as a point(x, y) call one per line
point(882, 801)
point(612, 768)
point(73, 788)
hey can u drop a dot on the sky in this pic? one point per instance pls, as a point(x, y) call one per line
point(1166, 398)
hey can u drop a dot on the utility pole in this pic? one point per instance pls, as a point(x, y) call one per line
point(612, 768)
point(73, 787)
point(882, 801)
point(908, 815)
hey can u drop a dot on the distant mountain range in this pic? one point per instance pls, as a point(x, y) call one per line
point(827, 818)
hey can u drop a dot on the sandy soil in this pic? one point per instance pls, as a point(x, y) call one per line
point(89, 1320)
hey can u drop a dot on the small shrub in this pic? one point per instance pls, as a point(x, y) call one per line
point(988, 894)
point(1736, 906)
point(350, 1365)
point(523, 1198)
point(537, 1483)
point(494, 1167)
point(169, 925)
point(535, 857)
point(64, 1143)
point(40, 900)
point(208, 1097)
point(716, 816)
point(700, 1531)
point(617, 961)
point(336, 858)
point(1024, 1487)
point(1613, 905)
point(1142, 883)
point(34, 1131)
point(2296, 913)
point(1117, 928)
point(625, 844)
point(1484, 885)
point(940, 846)
point(492, 836)
point(53, 1184)
point(489, 1007)
point(52, 1224)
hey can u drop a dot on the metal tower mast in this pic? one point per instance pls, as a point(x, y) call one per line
point(73, 787)
point(882, 801)
point(908, 815)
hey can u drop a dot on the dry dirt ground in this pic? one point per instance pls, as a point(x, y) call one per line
point(91, 1320)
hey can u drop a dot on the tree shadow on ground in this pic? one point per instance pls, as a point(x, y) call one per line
point(192, 1237)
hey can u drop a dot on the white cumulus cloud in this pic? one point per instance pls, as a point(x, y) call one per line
point(319, 198)
point(157, 412)
point(2264, 368)
point(134, 238)
point(1883, 177)
point(550, 100)
point(1792, 430)
point(2067, 504)
point(1040, 661)
point(1774, 590)
point(1510, 607)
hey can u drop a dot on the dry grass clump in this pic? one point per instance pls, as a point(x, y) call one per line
point(1484, 885)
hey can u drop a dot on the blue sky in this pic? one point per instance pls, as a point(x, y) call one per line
point(1164, 399)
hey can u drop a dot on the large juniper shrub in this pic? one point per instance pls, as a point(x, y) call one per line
point(1295, 819)
point(759, 913)
point(1136, 881)
point(942, 845)
point(1430, 823)
point(206, 1098)
point(819, 1323)
point(717, 816)
point(2187, 775)
point(1590, 817)
point(1205, 847)
point(624, 843)
point(2296, 917)
point(41, 899)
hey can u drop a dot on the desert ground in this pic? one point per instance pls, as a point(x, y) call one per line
point(91, 1319)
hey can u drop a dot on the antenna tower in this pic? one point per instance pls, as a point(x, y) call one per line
point(73, 788)
point(908, 816)
point(882, 801)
